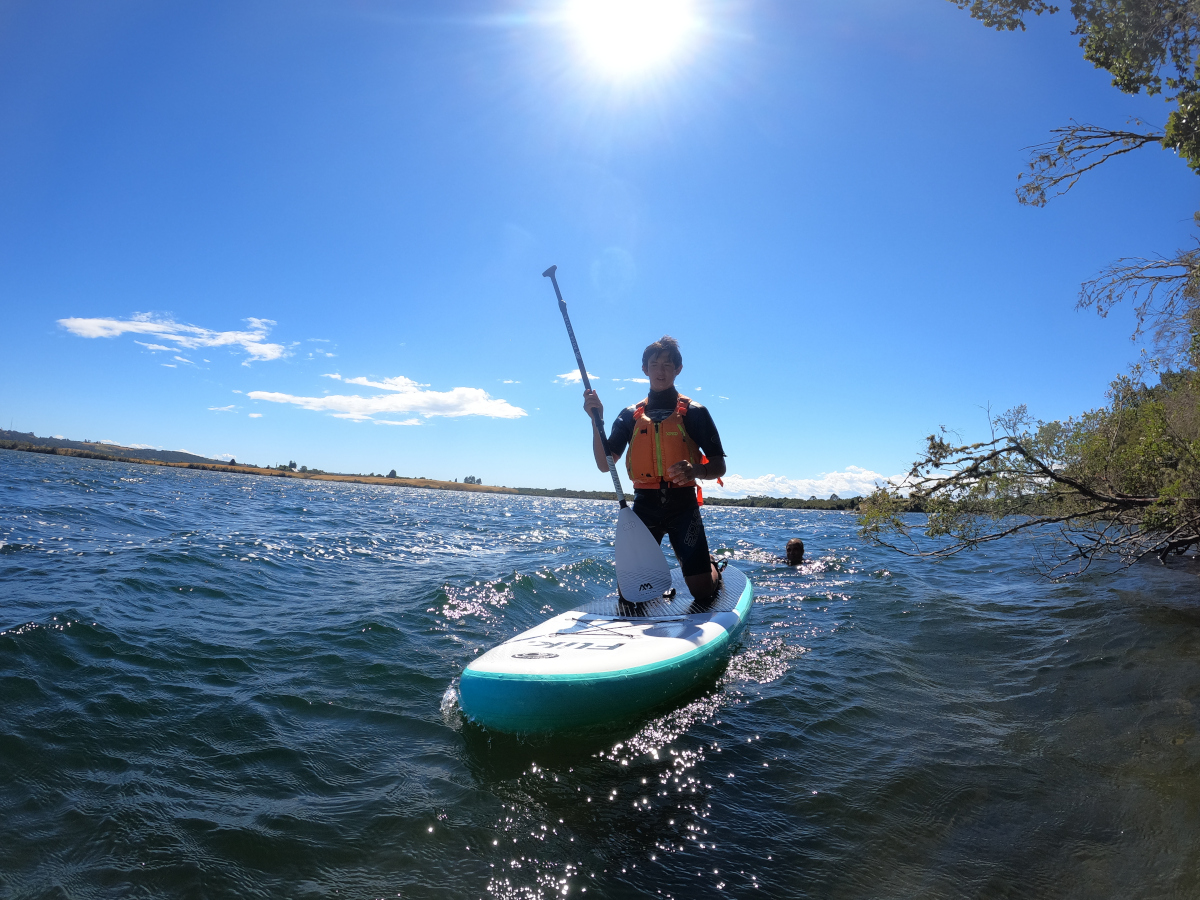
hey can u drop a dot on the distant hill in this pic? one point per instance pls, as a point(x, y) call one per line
point(175, 456)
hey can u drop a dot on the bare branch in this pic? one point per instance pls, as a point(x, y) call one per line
point(1165, 294)
point(1056, 165)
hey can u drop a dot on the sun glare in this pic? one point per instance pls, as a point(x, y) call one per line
point(624, 38)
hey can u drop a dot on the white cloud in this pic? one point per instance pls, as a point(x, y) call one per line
point(510, 381)
point(170, 365)
point(188, 361)
point(221, 408)
point(854, 481)
point(255, 415)
point(393, 422)
point(252, 341)
point(573, 377)
point(403, 396)
point(639, 380)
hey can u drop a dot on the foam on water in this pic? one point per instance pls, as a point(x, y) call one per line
point(223, 686)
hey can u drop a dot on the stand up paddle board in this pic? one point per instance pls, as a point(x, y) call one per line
point(599, 664)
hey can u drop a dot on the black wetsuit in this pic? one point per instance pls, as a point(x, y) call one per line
point(672, 510)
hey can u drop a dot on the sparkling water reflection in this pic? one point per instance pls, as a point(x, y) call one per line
point(225, 686)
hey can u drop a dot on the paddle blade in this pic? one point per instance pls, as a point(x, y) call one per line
point(642, 570)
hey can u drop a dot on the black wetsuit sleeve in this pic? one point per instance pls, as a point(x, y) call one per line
point(622, 430)
point(701, 428)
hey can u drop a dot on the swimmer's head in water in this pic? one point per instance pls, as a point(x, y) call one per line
point(795, 552)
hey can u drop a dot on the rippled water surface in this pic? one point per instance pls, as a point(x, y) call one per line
point(226, 686)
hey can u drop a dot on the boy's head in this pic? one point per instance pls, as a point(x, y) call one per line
point(661, 362)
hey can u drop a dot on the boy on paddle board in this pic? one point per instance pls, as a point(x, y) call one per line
point(672, 442)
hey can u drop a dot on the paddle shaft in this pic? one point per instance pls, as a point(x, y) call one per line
point(599, 422)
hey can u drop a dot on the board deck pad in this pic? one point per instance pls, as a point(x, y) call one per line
point(682, 604)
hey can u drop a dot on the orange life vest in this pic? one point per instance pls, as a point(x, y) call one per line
point(655, 447)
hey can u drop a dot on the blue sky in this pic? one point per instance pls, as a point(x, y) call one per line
point(305, 200)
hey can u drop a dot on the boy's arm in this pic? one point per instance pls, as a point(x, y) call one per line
point(683, 472)
point(590, 402)
point(701, 427)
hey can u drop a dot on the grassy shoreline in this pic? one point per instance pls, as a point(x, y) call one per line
point(258, 470)
point(849, 504)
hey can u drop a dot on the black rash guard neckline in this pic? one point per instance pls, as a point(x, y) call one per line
point(662, 399)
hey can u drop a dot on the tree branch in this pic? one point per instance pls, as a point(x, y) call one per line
point(1055, 166)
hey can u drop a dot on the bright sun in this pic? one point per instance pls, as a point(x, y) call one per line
point(627, 37)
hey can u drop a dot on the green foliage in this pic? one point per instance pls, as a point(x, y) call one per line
point(1145, 45)
point(1005, 15)
point(1183, 128)
point(1122, 481)
point(834, 502)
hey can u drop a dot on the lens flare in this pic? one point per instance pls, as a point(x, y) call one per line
point(624, 38)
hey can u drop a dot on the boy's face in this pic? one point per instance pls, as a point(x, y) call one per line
point(661, 372)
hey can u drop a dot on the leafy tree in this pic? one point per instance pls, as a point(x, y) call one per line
point(391, 474)
point(1121, 481)
point(1146, 45)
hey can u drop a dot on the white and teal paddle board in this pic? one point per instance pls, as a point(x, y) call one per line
point(594, 665)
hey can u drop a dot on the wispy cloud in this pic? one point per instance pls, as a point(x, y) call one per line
point(255, 415)
point(228, 408)
point(402, 395)
point(183, 336)
point(853, 481)
point(573, 377)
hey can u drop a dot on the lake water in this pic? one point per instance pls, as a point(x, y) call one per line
point(219, 686)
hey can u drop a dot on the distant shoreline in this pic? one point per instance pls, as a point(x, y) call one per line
point(90, 450)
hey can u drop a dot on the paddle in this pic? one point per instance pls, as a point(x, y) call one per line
point(642, 570)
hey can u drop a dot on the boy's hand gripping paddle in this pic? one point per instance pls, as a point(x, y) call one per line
point(642, 570)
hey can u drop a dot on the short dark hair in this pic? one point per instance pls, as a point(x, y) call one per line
point(665, 344)
point(795, 552)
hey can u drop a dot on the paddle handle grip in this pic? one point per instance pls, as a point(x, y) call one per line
point(587, 384)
